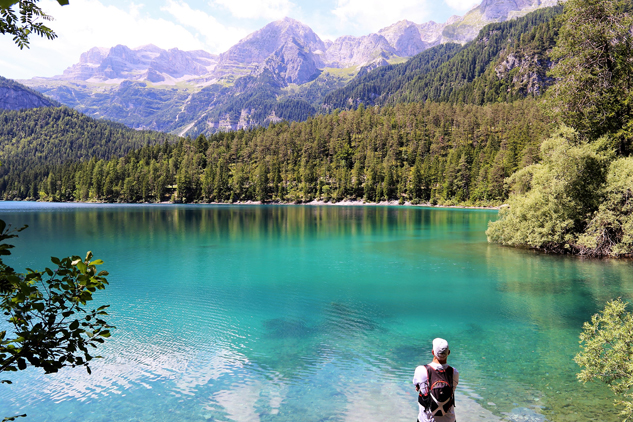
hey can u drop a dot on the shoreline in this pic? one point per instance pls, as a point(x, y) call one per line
point(311, 203)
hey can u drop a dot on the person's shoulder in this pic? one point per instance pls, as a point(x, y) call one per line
point(421, 370)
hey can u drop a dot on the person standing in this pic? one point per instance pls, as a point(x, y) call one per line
point(436, 383)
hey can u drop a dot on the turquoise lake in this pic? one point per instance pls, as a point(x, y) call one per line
point(313, 313)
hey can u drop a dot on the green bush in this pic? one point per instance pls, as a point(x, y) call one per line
point(610, 231)
point(553, 200)
point(606, 350)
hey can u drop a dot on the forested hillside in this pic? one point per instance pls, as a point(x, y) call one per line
point(45, 137)
point(507, 61)
point(431, 152)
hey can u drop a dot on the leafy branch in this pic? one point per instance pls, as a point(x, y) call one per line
point(51, 325)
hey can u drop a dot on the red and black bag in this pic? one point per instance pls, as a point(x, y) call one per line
point(439, 397)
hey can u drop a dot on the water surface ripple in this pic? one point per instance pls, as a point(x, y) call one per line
point(299, 313)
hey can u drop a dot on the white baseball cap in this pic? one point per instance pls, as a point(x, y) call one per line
point(440, 348)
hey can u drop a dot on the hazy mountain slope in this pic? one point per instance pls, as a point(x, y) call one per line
point(15, 96)
point(51, 136)
point(506, 59)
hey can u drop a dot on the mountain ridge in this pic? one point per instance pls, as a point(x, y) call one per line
point(150, 88)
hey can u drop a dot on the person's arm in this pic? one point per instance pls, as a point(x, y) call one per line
point(419, 378)
point(455, 379)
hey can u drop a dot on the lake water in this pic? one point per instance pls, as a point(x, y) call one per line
point(301, 313)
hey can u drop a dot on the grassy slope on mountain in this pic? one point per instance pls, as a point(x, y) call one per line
point(135, 104)
point(464, 75)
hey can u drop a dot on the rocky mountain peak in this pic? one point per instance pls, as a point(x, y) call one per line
point(350, 51)
point(256, 47)
point(94, 56)
point(150, 48)
point(293, 63)
point(408, 38)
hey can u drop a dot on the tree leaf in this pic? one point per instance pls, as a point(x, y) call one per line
point(5, 4)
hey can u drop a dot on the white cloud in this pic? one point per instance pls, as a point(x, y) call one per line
point(256, 9)
point(218, 37)
point(86, 24)
point(462, 5)
point(372, 15)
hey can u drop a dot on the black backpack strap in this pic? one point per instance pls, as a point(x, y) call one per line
point(429, 371)
point(449, 375)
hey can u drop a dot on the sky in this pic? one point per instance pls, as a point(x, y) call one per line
point(211, 25)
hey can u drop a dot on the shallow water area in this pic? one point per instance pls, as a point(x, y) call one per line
point(313, 313)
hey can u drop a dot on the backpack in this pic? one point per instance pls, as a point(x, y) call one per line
point(439, 397)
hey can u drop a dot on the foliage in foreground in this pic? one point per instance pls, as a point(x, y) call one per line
point(607, 352)
point(51, 327)
point(24, 21)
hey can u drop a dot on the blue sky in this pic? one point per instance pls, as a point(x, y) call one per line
point(212, 25)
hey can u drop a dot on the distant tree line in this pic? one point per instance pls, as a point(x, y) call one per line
point(422, 153)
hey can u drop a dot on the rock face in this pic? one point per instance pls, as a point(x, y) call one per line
point(14, 96)
point(292, 63)
point(408, 38)
point(356, 51)
point(530, 78)
point(253, 50)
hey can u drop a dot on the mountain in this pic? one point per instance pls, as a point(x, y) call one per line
point(147, 63)
point(506, 61)
point(431, 152)
point(15, 96)
point(408, 38)
point(284, 68)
